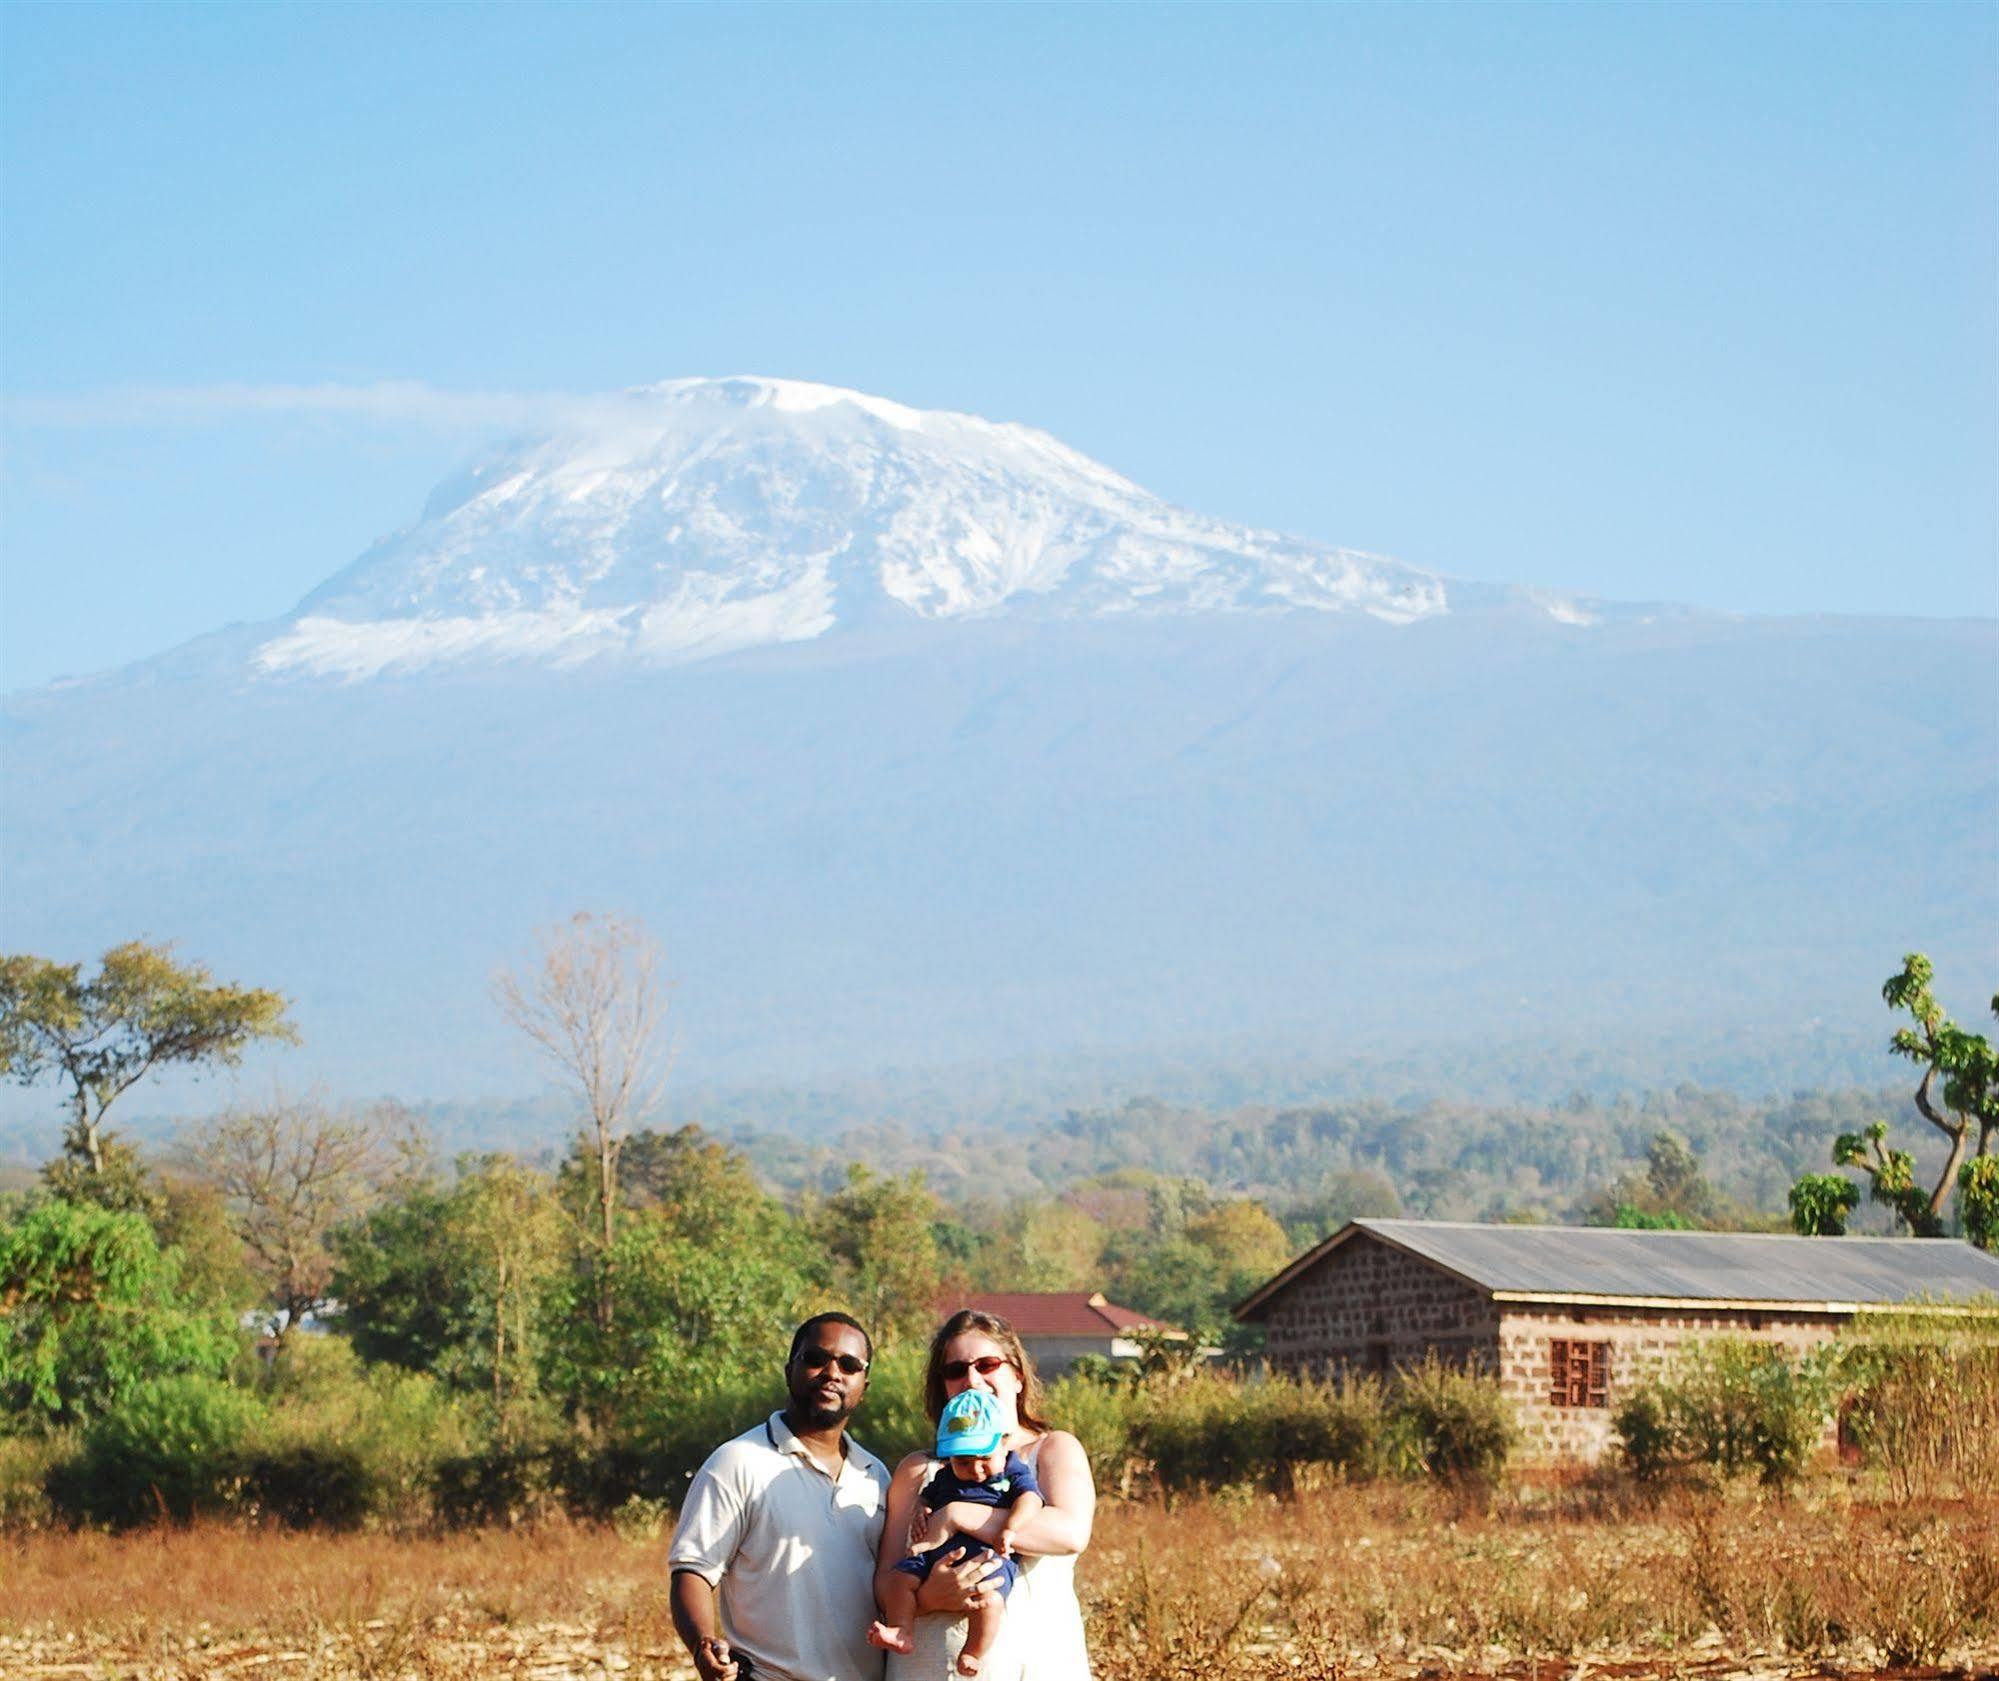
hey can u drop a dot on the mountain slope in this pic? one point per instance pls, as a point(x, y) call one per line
point(1063, 770)
point(700, 516)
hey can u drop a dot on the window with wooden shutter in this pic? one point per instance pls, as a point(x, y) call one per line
point(1578, 1373)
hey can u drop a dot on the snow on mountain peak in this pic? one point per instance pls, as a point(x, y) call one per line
point(698, 516)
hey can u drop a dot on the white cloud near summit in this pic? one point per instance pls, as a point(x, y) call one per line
point(384, 403)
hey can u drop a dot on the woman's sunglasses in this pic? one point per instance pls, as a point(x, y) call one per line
point(985, 1366)
point(812, 1359)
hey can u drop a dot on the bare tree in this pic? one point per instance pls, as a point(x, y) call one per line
point(290, 1171)
point(594, 1004)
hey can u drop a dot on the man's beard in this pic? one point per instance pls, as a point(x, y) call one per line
point(820, 1415)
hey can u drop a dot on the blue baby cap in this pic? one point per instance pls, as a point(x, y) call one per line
point(971, 1426)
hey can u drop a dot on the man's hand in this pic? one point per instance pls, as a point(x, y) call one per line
point(714, 1660)
point(695, 1620)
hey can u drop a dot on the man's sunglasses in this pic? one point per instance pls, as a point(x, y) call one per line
point(985, 1366)
point(812, 1359)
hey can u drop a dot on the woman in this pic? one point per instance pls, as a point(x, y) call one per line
point(1041, 1636)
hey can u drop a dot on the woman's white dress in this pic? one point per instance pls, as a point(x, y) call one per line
point(1041, 1635)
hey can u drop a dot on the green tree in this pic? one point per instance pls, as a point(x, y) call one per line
point(399, 1277)
point(1958, 1094)
point(90, 1307)
point(504, 1222)
point(1058, 1247)
point(1820, 1204)
point(142, 1010)
point(880, 1231)
point(694, 1317)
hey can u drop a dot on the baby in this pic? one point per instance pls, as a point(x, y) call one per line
point(977, 1472)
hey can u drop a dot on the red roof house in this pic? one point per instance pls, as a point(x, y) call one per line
point(1058, 1327)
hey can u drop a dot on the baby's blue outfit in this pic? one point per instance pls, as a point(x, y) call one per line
point(1016, 1477)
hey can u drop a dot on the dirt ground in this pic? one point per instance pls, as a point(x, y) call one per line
point(1342, 1583)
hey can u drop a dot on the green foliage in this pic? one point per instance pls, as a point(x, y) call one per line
point(171, 1447)
point(1631, 1218)
point(342, 1443)
point(1100, 1404)
point(1958, 1095)
point(1209, 1429)
point(142, 1010)
point(880, 1231)
point(1891, 1178)
point(691, 1317)
point(1978, 1200)
point(1820, 1204)
point(1455, 1425)
point(26, 1464)
point(1728, 1408)
point(1672, 1194)
point(90, 1308)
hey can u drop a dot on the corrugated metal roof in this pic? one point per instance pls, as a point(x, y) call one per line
point(1699, 1266)
point(1062, 1313)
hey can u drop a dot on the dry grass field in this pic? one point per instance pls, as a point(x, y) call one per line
point(1383, 1581)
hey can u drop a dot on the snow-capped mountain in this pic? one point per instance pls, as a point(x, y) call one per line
point(700, 516)
point(920, 739)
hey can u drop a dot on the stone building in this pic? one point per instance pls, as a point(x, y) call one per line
point(1057, 1327)
point(1568, 1316)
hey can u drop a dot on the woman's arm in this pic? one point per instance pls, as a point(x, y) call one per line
point(1063, 1524)
point(904, 1488)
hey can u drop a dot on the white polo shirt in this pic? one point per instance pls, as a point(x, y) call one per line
point(792, 1551)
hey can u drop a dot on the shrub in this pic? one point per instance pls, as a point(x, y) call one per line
point(95, 1308)
point(171, 1448)
point(1923, 1404)
point(1729, 1408)
point(377, 1436)
point(306, 1484)
point(1213, 1431)
point(1453, 1424)
point(892, 1421)
point(26, 1462)
point(1103, 1409)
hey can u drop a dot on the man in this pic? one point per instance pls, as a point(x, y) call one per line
point(773, 1559)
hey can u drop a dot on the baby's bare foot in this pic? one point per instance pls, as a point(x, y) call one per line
point(892, 1639)
point(969, 1663)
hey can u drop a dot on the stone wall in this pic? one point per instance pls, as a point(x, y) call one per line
point(1369, 1306)
point(1641, 1341)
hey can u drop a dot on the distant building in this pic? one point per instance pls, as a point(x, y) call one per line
point(1059, 1327)
point(1569, 1316)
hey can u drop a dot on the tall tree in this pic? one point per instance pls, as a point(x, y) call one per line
point(1958, 1094)
point(881, 1232)
point(592, 1001)
point(290, 1172)
point(142, 1010)
point(504, 1218)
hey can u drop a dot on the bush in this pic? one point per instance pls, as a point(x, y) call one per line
point(26, 1463)
point(1102, 1408)
point(1212, 1431)
point(95, 1307)
point(1729, 1408)
point(892, 1421)
point(1923, 1405)
point(172, 1448)
point(1451, 1424)
point(375, 1435)
point(307, 1484)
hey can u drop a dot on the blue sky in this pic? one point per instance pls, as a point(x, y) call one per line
point(1692, 302)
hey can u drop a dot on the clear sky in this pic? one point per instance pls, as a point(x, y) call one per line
point(1696, 302)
